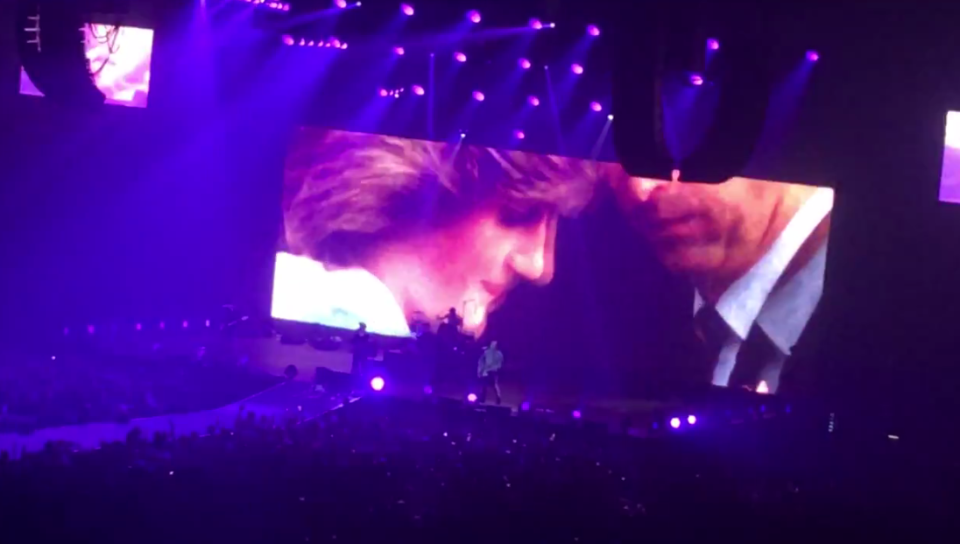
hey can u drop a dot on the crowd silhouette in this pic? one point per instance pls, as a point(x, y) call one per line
point(383, 469)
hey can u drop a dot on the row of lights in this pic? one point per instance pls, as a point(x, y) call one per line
point(92, 329)
point(474, 17)
point(333, 43)
point(279, 6)
point(377, 383)
point(479, 96)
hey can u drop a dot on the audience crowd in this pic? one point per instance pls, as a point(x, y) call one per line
point(95, 387)
point(382, 469)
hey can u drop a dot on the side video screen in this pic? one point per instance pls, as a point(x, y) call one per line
point(119, 61)
point(950, 176)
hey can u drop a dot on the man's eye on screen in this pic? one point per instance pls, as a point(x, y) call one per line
point(521, 217)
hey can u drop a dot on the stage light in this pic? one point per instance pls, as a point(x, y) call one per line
point(692, 419)
point(342, 4)
point(713, 44)
point(552, 25)
point(533, 100)
point(524, 63)
point(288, 39)
point(696, 79)
point(471, 398)
point(610, 117)
point(576, 414)
point(406, 9)
point(335, 42)
point(596, 106)
point(576, 69)
point(473, 16)
point(675, 422)
point(763, 388)
point(525, 406)
point(813, 56)
point(463, 135)
point(377, 383)
point(91, 329)
point(163, 325)
point(536, 24)
point(593, 30)
point(427, 390)
point(418, 90)
point(478, 96)
point(384, 93)
point(398, 50)
point(138, 327)
point(518, 134)
point(186, 324)
point(460, 57)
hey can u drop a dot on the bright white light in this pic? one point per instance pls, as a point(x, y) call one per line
point(377, 383)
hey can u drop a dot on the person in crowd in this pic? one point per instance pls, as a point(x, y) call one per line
point(755, 254)
point(488, 371)
point(379, 228)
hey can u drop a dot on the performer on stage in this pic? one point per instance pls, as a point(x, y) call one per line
point(361, 350)
point(488, 370)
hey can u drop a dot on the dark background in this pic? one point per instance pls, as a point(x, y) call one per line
point(171, 210)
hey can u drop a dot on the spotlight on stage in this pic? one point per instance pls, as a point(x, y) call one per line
point(342, 4)
point(576, 69)
point(533, 100)
point(713, 44)
point(610, 117)
point(406, 9)
point(536, 24)
point(813, 56)
point(596, 106)
point(518, 134)
point(471, 398)
point(593, 30)
point(675, 422)
point(473, 16)
point(460, 57)
point(576, 414)
point(525, 406)
point(692, 419)
point(478, 96)
point(696, 79)
point(398, 50)
point(524, 63)
point(418, 90)
point(377, 383)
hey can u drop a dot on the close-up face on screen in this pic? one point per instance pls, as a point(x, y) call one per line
point(621, 273)
point(950, 176)
point(119, 58)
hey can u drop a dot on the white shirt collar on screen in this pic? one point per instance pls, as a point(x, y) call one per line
point(782, 313)
point(305, 290)
point(742, 303)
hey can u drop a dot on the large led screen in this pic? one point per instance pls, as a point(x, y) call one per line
point(950, 176)
point(578, 270)
point(119, 60)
